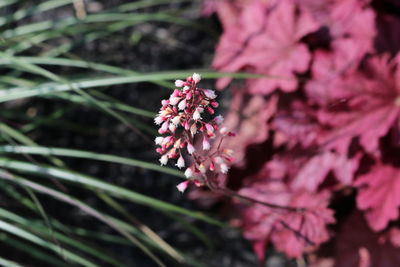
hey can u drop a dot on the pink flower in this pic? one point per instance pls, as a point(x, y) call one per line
point(210, 93)
point(183, 186)
point(206, 144)
point(179, 83)
point(189, 173)
point(164, 160)
point(190, 148)
point(196, 77)
point(180, 163)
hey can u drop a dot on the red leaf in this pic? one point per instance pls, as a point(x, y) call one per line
point(272, 49)
point(248, 119)
point(291, 232)
point(357, 245)
point(379, 195)
point(370, 106)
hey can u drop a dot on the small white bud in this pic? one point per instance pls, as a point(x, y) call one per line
point(158, 140)
point(180, 163)
point(182, 104)
point(196, 115)
point(190, 148)
point(188, 173)
point(206, 144)
point(219, 119)
point(196, 77)
point(158, 120)
point(182, 186)
point(224, 168)
point(164, 160)
point(173, 100)
point(176, 120)
point(179, 83)
point(210, 93)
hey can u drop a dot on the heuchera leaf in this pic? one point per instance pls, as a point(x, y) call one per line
point(379, 195)
point(272, 49)
point(368, 104)
point(290, 232)
point(357, 245)
point(248, 119)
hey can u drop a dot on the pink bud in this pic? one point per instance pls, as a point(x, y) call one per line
point(196, 114)
point(210, 110)
point(173, 100)
point(206, 144)
point(219, 119)
point(176, 93)
point(196, 77)
point(164, 160)
point(158, 140)
point(209, 128)
point(164, 102)
point(224, 168)
point(193, 129)
point(179, 83)
point(212, 166)
point(183, 186)
point(214, 104)
point(172, 127)
point(190, 148)
point(164, 128)
point(189, 95)
point(209, 93)
point(189, 173)
point(180, 163)
point(182, 104)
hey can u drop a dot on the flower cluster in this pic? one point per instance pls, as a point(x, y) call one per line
point(186, 120)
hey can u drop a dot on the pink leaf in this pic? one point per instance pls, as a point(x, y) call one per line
point(364, 105)
point(357, 245)
point(272, 49)
point(379, 195)
point(248, 119)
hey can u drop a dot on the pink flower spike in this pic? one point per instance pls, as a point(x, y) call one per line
point(180, 163)
point(190, 148)
point(206, 144)
point(183, 186)
point(179, 83)
point(196, 77)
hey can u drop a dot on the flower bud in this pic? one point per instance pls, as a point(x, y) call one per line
point(183, 186)
point(180, 163)
point(196, 77)
point(164, 160)
point(179, 83)
point(189, 173)
point(190, 148)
